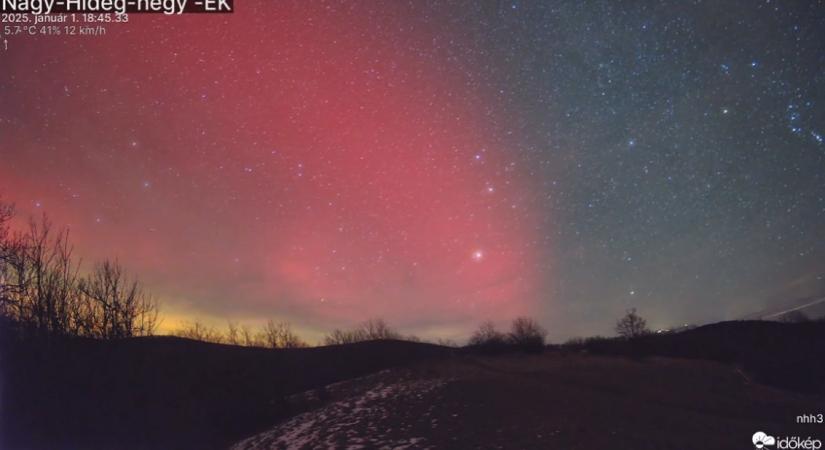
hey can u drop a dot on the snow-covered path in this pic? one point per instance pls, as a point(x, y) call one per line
point(363, 418)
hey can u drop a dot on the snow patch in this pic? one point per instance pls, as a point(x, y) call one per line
point(362, 420)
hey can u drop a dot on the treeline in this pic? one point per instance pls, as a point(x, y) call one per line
point(525, 334)
point(43, 289)
point(272, 334)
point(370, 330)
point(280, 335)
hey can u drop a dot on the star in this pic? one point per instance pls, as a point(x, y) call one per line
point(369, 158)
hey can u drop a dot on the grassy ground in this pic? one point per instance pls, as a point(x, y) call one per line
point(551, 401)
point(171, 393)
point(166, 393)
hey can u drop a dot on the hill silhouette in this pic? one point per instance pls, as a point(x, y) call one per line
point(167, 392)
point(786, 355)
point(170, 392)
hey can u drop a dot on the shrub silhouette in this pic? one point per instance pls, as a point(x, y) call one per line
point(200, 332)
point(280, 335)
point(487, 339)
point(796, 316)
point(527, 335)
point(446, 342)
point(272, 335)
point(371, 330)
point(632, 325)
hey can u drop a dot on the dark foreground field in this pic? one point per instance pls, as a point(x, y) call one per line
point(160, 393)
point(547, 401)
point(165, 392)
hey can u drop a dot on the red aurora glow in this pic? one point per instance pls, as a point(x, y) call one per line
point(288, 160)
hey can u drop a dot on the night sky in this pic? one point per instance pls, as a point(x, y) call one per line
point(435, 163)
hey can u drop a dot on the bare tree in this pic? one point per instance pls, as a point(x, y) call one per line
point(119, 306)
point(199, 331)
point(6, 214)
point(527, 334)
point(233, 335)
point(41, 291)
point(632, 325)
point(372, 329)
point(39, 278)
point(338, 337)
point(10, 251)
point(280, 335)
point(488, 336)
point(249, 338)
point(375, 329)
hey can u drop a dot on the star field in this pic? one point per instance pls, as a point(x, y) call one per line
point(437, 163)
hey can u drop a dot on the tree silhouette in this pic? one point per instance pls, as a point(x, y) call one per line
point(631, 325)
point(280, 335)
point(119, 306)
point(41, 291)
point(488, 338)
point(9, 249)
point(371, 330)
point(527, 334)
point(199, 331)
